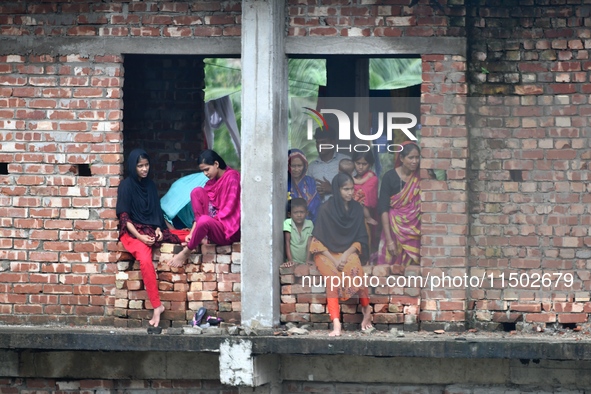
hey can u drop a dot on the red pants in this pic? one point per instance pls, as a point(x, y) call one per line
point(333, 304)
point(205, 225)
point(143, 253)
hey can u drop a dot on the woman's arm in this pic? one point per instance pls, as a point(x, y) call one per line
point(387, 234)
point(385, 193)
point(354, 248)
point(368, 218)
point(142, 237)
point(329, 256)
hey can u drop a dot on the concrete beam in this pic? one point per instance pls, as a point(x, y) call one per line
point(264, 163)
point(116, 365)
point(469, 346)
point(375, 45)
point(86, 46)
point(400, 370)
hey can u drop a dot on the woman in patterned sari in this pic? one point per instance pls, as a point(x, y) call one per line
point(399, 207)
point(301, 185)
point(339, 242)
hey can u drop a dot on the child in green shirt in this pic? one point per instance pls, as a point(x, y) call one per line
point(297, 232)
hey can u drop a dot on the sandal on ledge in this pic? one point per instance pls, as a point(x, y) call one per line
point(199, 315)
point(154, 330)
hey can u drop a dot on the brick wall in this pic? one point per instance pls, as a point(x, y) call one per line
point(59, 115)
point(210, 279)
point(62, 145)
point(530, 153)
point(374, 18)
point(120, 18)
point(515, 199)
point(444, 139)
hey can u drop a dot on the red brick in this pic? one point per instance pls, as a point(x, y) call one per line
point(540, 317)
point(572, 317)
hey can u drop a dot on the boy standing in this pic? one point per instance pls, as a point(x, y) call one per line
point(297, 232)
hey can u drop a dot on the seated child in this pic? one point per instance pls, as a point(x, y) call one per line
point(297, 232)
point(348, 166)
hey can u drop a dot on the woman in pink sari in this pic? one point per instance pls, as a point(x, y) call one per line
point(399, 207)
point(216, 207)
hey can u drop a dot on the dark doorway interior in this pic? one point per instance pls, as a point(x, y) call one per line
point(163, 112)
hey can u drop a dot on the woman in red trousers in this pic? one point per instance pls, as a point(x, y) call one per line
point(141, 223)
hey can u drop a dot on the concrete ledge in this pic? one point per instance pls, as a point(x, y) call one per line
point(231, 45)
point(468, 346)
point(86, 46)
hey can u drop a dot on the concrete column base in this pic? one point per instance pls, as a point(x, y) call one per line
point(254, 374)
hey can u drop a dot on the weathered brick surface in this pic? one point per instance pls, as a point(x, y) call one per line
point(303, 300)
point(529, 155)
point(182, 290)
point(59, 114)
point(374, 18)
point(515, 199)
point(114, 18)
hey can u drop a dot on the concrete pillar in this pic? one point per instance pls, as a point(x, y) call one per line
point(252, 374)
point(264, 158)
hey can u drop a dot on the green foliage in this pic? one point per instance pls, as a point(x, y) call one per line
point(305, 75)
point(223, 77)
point(390, 74)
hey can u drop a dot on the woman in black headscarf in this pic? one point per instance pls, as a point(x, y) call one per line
point(141, 223)
point(340, 240)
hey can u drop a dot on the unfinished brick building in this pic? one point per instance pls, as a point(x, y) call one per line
point(504, 110)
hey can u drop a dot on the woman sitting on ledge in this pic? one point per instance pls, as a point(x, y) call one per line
point(141, 223)
point(339, 239)
point(216, 207)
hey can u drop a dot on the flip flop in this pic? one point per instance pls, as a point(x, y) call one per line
point(214, 321)
point(199, 315)
point(154, 330)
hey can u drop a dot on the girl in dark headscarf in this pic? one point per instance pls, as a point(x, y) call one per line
point(141, 223)
point(340, 240)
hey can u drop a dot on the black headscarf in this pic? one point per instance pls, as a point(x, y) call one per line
point(139, 198)
point(338, 228)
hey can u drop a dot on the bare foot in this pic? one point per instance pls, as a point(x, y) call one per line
point(287, 264)
point(336, 329)
point(180, 258)
point(366, 322)
point(204, 241)
point(155, 320)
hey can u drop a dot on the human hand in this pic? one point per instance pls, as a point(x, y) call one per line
point(159, 234)
point(342, 262)
point(146, 239)
point(371, 221)
point(323, 187)
point(391, 246)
